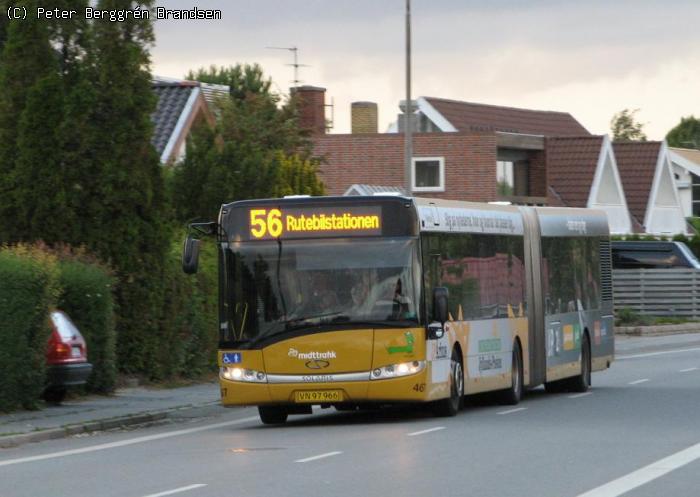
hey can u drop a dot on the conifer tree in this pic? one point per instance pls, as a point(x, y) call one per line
point(27, 58)
point(130, 233)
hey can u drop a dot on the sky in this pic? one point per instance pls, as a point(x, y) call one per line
point(590, 58)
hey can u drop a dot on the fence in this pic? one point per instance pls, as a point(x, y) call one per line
point(658, 292)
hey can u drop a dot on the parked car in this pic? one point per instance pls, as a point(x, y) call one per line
point(652, 255)
point(66, 358)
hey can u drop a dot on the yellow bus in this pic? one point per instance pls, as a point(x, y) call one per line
point(358, 301)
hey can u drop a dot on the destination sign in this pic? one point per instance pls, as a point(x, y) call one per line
point(270, 223)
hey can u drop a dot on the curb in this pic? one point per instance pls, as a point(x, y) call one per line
point(92, 426)
point(658, 330)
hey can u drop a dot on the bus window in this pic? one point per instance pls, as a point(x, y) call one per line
point(484, 274)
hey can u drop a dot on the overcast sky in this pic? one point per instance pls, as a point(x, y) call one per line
point(590, 58)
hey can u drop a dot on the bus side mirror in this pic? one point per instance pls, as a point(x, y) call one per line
point(190, 255)
point(440, 295)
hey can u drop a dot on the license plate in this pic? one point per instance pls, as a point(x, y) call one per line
point(75, 351)
point(319, 396)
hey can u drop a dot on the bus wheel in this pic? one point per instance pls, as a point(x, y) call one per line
point(272, 415)
point(451, 405)
point(582, 382)
point(512, 395)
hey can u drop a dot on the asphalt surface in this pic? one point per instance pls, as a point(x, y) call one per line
point(637, 433)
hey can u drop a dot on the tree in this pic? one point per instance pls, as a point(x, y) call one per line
point(27, 60)
point(624, 127)
point(127, 184)
point(42, 194)
point(686, 134)
point(256, 150)
point(242, 80)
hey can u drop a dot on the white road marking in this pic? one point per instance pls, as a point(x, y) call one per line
point(178, 490)
point(687, 370)
point(517, 409)
point(637, 382)
point(437, 428)
point(579, 395)
point(650, 354)
point(646, 474)
point(320, 456)
point(123, 443)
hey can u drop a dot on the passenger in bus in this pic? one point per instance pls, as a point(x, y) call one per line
point(359, 293)
point(324, 296)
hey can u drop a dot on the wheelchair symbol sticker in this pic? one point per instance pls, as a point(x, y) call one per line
point(232, 358)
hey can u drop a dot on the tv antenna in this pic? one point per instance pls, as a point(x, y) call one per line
point(295, 65)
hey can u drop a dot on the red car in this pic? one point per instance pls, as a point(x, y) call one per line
point(66, 358)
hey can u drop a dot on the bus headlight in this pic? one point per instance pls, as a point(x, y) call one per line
point(397, 370)
point(240, 374)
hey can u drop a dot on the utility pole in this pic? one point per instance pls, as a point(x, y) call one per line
point(408, 111)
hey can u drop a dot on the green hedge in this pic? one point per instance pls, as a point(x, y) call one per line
point(185, 344)
point(87, 299)
point(28, 290)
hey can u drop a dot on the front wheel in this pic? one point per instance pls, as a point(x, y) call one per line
point(272, 415)
point(512, 395)
point(452, 404)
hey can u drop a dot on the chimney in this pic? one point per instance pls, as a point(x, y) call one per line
point(311, 108)
point(364, 117)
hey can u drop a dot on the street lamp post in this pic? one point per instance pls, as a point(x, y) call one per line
point(408, 136)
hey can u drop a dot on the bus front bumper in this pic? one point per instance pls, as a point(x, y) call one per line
point(411, 388)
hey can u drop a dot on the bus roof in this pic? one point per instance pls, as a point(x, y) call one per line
point(427, 215)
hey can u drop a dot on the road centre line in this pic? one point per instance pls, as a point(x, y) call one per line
point(637, 382)
point(646, 474)
point(650, 354)
point(517, 409)
point(123, 443)
point(429, 430)
point(320, 456)
point(579, 395)
point(687, 370)
point(178, 490)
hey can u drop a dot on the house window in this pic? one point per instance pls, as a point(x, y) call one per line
point(696, 194)
point(504, 178)
point(428, 174)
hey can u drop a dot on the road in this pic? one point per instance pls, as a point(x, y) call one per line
point(636, 433)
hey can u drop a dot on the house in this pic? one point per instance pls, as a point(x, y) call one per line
point(685, 164)
point(181, 106)
point(476, 152)
point(647, 178)
point(582, 172)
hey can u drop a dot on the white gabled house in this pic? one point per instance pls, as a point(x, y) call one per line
point(652, 195)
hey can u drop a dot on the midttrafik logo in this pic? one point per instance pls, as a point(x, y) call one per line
point(330, 354)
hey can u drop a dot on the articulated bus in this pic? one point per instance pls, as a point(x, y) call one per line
point(355, 302)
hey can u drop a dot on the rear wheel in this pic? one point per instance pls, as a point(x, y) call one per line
point(55, 395)
point(582, 381)
point(452, 404)
point(272, 415)
point(512, 395)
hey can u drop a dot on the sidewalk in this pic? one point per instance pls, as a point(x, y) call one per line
point(128, 406)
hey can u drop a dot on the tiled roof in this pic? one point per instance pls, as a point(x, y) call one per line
point(172, 99)
point(468, 116)
point(636, 162)
point(571, 166)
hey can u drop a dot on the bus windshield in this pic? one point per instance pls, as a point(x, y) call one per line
point(281, 286)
